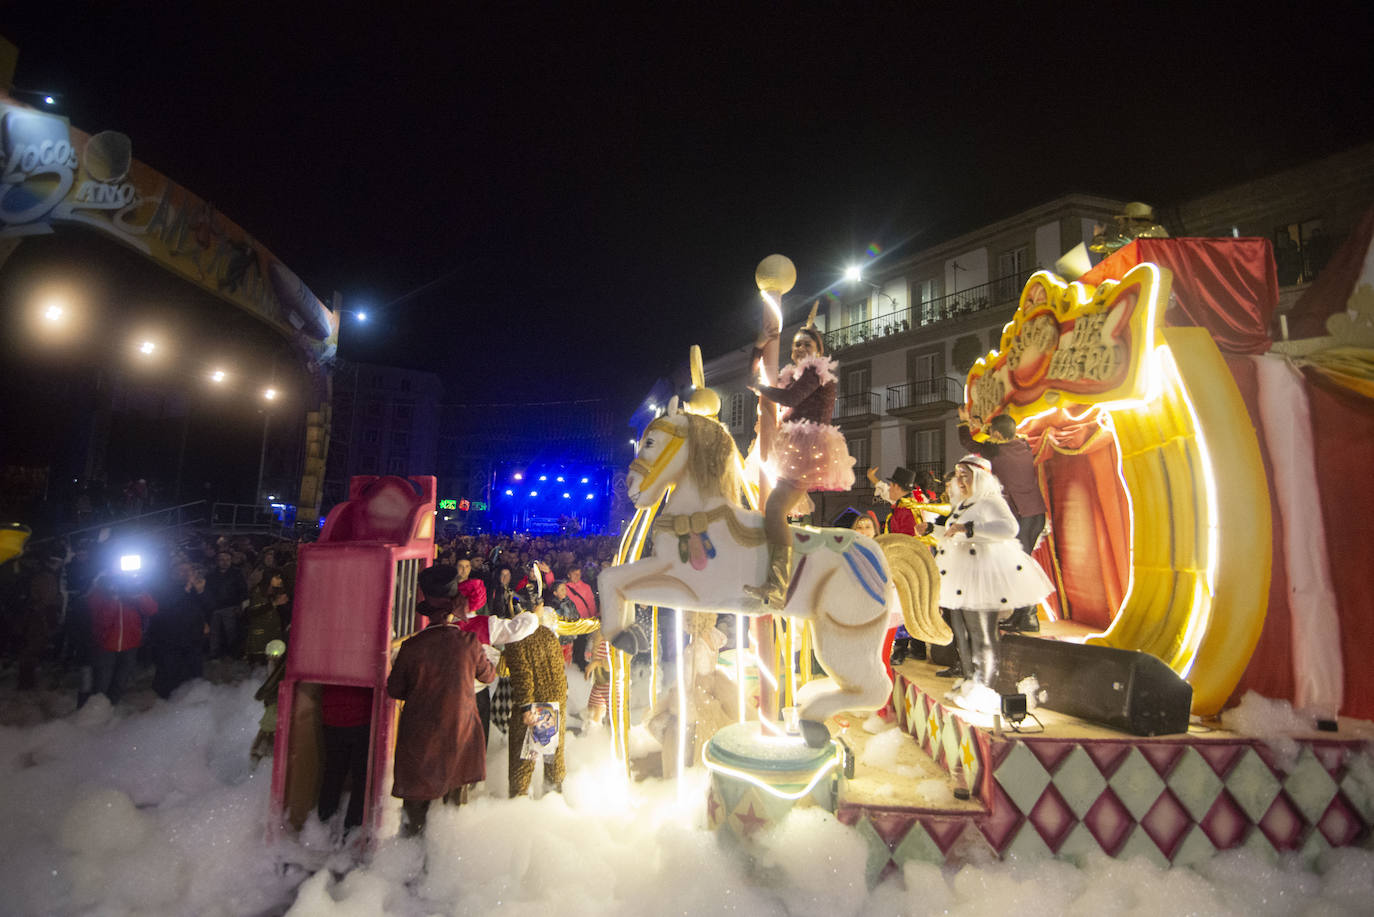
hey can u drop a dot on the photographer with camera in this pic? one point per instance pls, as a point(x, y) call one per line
point(119, 604)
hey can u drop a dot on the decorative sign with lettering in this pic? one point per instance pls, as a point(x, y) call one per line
point(449, 504)
point(479, 506)
point(464, 505)
point(52, 174)
point(1071, 345)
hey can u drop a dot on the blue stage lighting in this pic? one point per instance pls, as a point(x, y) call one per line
point(509, 492)
point(543, 477)
point(584, 481)
point(559, 479)
point(589, 496)
point(565, 496)
point(534, 493)
point(518, 476)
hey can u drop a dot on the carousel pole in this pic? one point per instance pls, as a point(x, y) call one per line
point(775, 275)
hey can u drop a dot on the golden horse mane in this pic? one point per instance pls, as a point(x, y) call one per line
point(713, 459)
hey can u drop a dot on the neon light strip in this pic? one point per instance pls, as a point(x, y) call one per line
point(612, 709)
point(772, 727)
point(1201, 614)
point(747, 777)
point(776, 309)
point(739, 663)
point(627, 538)
point(1208, 469)
point(792, 668)
point(631, 548)
point(653, 655)
point(681, 704)
point(763, 670)
point(1029, 418)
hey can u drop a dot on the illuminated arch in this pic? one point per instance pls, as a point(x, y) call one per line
point(1189, 462)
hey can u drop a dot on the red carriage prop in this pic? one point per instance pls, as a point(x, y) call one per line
point(355, 596)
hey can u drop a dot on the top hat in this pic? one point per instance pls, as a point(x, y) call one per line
point(439, 581)
point(904, 478)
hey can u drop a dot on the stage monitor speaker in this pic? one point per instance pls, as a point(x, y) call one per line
point(1124, 689)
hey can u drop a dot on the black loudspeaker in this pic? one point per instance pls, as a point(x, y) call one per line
point(1124, 689)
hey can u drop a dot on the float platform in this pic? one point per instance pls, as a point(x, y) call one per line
point(1070, 788)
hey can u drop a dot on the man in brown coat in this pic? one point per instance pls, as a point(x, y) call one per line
point(439, 747)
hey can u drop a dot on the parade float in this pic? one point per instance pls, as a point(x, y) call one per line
point(1185, 577)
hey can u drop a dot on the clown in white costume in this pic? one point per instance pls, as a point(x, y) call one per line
point(983, 574)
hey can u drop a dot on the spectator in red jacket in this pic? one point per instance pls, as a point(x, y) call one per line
point(118, 606)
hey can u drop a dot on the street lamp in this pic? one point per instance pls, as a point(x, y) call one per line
point(54, 313)
point(359, 314)
point(268, 394)
point(217, 376)
point(855, 274)
point(147, 348)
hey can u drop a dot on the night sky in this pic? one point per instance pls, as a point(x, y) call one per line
point(579, 194)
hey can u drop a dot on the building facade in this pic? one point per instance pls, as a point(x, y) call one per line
point(385, 421)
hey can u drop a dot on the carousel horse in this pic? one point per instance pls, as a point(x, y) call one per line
point(707, 546)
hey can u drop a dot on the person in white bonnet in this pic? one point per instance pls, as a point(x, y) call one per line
point(983, 572)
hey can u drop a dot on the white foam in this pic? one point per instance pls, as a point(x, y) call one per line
point(882, 752)
point(160, 812)
point(1273, 722)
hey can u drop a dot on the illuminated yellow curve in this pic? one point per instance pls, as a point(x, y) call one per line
point(1239, 537)
point(1200, 539)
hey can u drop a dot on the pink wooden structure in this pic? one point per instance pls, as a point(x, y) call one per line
point(355, 598)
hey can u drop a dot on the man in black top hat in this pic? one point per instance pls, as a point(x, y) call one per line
point(439, 583)
point(905, 519)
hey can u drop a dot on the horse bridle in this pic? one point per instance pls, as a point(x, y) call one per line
point(649, 472)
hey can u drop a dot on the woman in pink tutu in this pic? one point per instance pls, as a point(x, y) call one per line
point(808, 452)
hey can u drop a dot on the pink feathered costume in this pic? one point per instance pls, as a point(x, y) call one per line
point(809, 451)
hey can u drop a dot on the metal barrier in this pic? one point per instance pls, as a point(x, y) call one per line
point(157, 520)
point(246, 519)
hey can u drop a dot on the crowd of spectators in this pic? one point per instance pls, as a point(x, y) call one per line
point(106, 610)
point(73, 609)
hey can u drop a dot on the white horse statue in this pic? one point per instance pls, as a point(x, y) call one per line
point(707, 546)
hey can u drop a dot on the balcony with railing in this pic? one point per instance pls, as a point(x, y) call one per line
point(991, 295)
point(923, 397)
point(858, 408)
